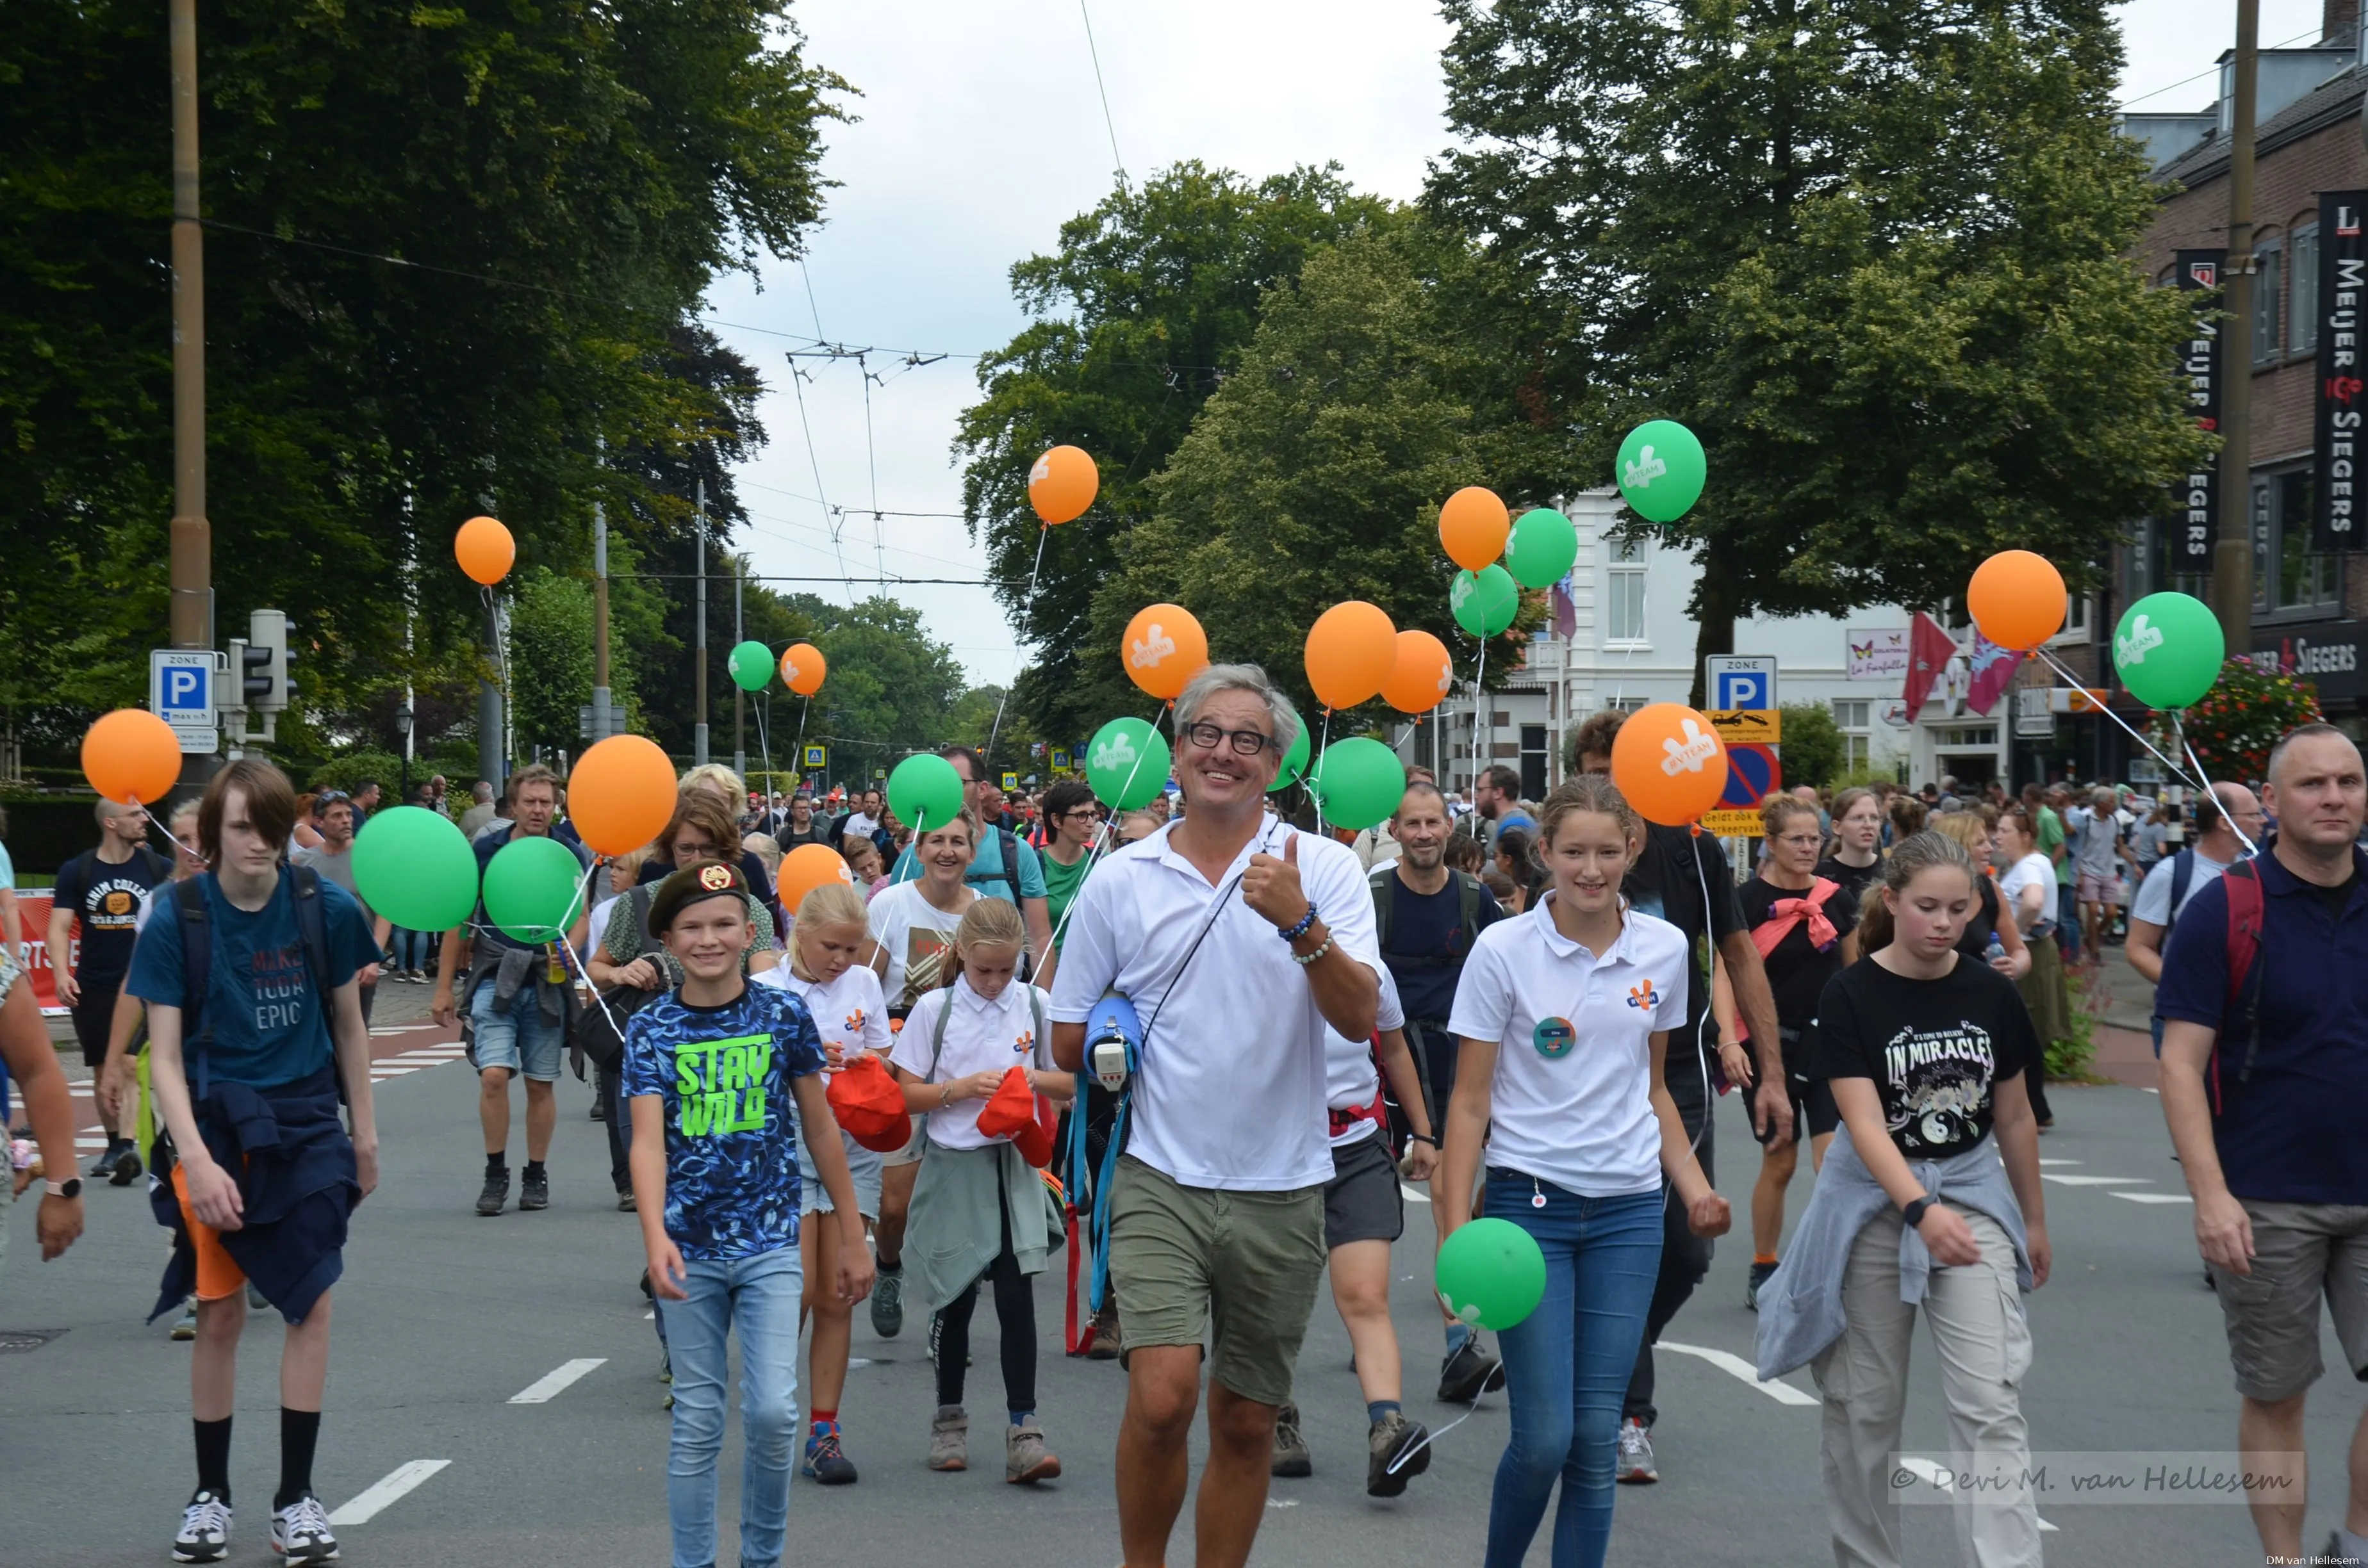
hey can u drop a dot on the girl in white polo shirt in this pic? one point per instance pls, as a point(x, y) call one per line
point(1564, 1013)
point(979, 1210)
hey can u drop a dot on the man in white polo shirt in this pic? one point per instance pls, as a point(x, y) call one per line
point(1237, 939)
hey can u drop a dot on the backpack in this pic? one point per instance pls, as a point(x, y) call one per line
point(2182, 877)
point(1468, 891)
point(196, 923)
point(599, 1030)
point(2248, 910)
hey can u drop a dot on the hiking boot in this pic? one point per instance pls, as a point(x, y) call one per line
point(1634, 1466)
point(888, 1304)
point(205, 1531)
point(950, 1438)
point(495, 1194)
point(825, 1460)
point(1397, 1450)
point(105, 1163)
point(126, 1169)
point(1468, 1372)
point(534, 1190)
point(1760, 1274)
point(1026, 1460)
point(1106, 1346)
point(1292, 1458)
point(299, 1532)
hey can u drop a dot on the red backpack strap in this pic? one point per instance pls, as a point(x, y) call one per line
point(2248, 910)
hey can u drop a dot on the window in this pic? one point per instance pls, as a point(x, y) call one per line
point(2152, 570)
point(2286, 576)
point(1965, 736)
point(2076, 615)
point(2302, 315)
point(1533, 762)
point(2269, 262)
point(1624, 612)
point(1852, 715)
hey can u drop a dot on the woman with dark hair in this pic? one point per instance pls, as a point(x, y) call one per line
point(1515, 860)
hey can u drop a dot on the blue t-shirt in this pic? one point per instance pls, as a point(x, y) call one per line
point(267, 1026)
point(2290, 1132)
point(985, 877)
point(731, 1128)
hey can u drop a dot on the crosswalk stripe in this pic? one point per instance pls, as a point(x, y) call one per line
point(389, 1489)
point(1737, 1367)
point(548, 1386)
point(2153, 1197)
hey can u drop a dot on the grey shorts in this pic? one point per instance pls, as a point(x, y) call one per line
point(863, 1164)
point(910, 1154)
point(1189, 1259)
point(1361, 1202)
point(2301, 1253)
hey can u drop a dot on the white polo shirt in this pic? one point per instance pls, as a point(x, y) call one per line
point(1350, 1079)
point(1571, 1102)
point(983, 1035)
point(849, 1012)
point(1231, 1091)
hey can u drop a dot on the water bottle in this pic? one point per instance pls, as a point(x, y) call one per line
point(1995, 951)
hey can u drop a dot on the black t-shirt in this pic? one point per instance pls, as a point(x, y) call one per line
point(1669, 879)
point(1933, 1047)
point(1797, 972)
point(1428, 944)
point(1981, 922)
point(1853, 880)
point(108, 900)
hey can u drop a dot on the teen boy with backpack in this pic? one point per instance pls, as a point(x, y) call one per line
point(256, 1033)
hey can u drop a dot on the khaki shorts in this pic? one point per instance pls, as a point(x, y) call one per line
point(910, 1154)
point(2301, 1253)
point(1185, 1259)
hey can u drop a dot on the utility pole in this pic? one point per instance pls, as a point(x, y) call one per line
point(601, 730)
point(699, 730)
point(739, 693)
point(2232, 554)
point(191, 614)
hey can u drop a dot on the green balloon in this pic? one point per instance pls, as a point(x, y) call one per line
point(752, 666)
point(2169, 649)
point(1660, 469)
point(1357, 782)
point(533, 889)
point(1485, 603)
point(1491, 1273)
point(416, 868)
point(1542, 547)
point(1294, 764)
point(924, 793)
point(1127, 763)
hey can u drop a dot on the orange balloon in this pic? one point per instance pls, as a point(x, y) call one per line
point(1351, 649)
point(2016, 599)
point(131, 757)
point(1669, 763)
point(620, 794)
point(1473, 527)
point(807, 868)
point(1164, 648)
point(803, 668)
point(1062, 485)
point(1420, 675)
point(484, 550)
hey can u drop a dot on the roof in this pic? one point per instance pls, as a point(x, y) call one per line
point(2338, 100)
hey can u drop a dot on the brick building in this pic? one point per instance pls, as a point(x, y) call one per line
point(2307, 607)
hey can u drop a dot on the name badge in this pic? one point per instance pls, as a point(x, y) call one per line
point(1554, 1037)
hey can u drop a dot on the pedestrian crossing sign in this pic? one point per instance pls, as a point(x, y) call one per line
point(817, 759)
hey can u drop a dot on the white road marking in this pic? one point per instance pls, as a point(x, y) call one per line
point(855, 1361)
point(1282, 1501)
point(1932, 1475)
point(2046, 1163)
point(1412, 1196)
point(2093, 1181)
point(2154, 1091)
point(389, 1489)
point(93, 1145)
point(86, 1090)
point(544, 1389)
point(1735, 1365)
point(2154, 1197)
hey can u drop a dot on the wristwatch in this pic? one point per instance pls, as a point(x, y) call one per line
point(70, 1187)
point(1914, 1212)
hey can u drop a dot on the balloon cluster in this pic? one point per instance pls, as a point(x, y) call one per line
point(2168, 648)
point(1475, 528)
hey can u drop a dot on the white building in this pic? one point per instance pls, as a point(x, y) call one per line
point(1631, 642)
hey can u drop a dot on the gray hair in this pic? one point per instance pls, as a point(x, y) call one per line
point(1214, 679)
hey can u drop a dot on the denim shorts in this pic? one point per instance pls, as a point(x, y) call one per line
point(863, 1164)
point(517, 1036)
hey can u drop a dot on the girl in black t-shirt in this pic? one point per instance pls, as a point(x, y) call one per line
point(1854, 858)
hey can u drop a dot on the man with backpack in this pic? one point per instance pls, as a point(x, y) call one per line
point(106, 889)
point(2229, 810)
point(255, 1034)
point(2264, 1069)
point(1004, 867)
point(1428, 915)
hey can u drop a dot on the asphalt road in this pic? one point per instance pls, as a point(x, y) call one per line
point(444, 1318)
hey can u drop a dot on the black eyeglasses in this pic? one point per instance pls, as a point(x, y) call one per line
point(1246, 742)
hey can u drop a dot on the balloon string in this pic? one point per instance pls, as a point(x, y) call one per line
point(1043, 533)
point(1109, 825)
point(1317, 794)
point(766, 747)
point(1479, 699)
point(2250, 848)
point(2106, 709)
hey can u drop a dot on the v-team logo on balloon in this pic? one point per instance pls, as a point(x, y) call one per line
point(1147, 652)
point(1689, 753)
point(1115, 752)
point(1644, 469)
point(2142, 638)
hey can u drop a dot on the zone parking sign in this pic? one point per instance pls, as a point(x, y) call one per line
point(1741, 680)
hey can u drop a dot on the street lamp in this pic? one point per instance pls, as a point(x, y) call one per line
point(402, 718)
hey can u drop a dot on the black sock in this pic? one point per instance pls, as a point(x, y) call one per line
point(497, 1163)
point(533, 1169)
point(300, 1430)
point(213, 1457)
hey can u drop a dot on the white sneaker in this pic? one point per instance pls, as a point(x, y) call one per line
point(299, 1532)
point(205, 1531)
point(1634, 1466)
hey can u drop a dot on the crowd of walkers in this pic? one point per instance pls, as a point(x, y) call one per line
point(1531, 1008)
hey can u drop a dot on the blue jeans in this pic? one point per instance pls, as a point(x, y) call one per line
point(760, 1297)
point(1568, 1364)
point(410, 947)
point(516, 1037)
point(2068, 920)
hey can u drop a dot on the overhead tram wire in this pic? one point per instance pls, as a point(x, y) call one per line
point(2202, 75)
point(1108, 124)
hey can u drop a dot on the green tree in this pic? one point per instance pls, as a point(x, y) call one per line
point(550, 660)
point(890, 688)
point(1872, 253)
point(1369, 394)
point(1812, 750)
point(1137, 319)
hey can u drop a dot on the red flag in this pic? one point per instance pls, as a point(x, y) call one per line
point(1993, 672)
point(1929, 648)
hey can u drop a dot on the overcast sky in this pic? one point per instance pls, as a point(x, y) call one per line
point(981, 132)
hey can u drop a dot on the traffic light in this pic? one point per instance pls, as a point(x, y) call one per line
point(251, 667)
point(267, 633)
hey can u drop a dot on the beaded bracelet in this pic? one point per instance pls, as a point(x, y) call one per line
point(1308, 959)
point(1292, 933)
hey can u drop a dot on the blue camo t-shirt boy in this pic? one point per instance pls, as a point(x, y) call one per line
point(267, 1027)
point(731, 1128)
